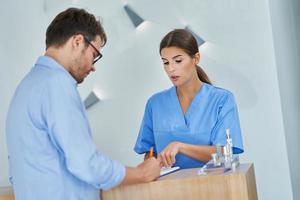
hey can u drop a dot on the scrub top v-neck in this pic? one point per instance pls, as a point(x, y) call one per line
point(211, 112)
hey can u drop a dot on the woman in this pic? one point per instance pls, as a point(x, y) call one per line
point(184, 123)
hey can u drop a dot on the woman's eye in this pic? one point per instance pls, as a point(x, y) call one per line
point(166, 63)
point(178, 61)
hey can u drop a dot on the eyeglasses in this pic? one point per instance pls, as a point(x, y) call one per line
point(99, 55)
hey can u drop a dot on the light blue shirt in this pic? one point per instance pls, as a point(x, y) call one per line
point(212, 111)
point(51, 151)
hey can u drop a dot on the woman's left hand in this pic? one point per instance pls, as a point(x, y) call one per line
point(167, 156)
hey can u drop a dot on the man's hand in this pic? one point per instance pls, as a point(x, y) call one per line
point(149, 169)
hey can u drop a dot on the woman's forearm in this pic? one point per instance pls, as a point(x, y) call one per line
point(198, 152)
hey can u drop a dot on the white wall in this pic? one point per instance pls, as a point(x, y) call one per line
point(239, 55)
point(286, 30)
point(21, 40)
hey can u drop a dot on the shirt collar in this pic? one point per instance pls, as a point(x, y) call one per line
point(49, 62)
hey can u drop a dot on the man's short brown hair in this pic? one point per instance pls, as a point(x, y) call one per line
point(71, 22)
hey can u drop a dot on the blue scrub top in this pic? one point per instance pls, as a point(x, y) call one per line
point(212, 111)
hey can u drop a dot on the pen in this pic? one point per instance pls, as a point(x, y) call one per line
point(151, 154)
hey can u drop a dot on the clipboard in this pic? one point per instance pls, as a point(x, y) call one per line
point(167, 170)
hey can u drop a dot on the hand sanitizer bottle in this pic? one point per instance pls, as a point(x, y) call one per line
point(229, 143)
point(228, 155)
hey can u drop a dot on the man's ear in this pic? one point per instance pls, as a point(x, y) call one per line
point(197, 57)
point(77, 41)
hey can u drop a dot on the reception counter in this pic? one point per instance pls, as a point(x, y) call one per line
point(6, 193)
point(184, 184)
point(187, 184)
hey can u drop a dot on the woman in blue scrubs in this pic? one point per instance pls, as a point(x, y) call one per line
point(185, 122)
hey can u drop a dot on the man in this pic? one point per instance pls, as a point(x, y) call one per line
point(51, 151)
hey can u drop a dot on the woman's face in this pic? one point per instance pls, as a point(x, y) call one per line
point(179, 66)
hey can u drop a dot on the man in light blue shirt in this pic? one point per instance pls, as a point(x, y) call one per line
point(51, 151)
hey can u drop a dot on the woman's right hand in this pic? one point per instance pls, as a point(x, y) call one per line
point(167, 156)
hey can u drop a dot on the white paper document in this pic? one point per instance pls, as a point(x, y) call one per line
point(167, 170)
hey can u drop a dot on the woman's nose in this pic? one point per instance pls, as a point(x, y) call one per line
point(170, 68)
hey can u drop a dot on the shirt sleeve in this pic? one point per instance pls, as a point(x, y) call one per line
point(145, 139)
point(70, 133)
point(228, 119)
point(10, 177)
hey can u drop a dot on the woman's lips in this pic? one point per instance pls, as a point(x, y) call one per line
point(174, 78)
